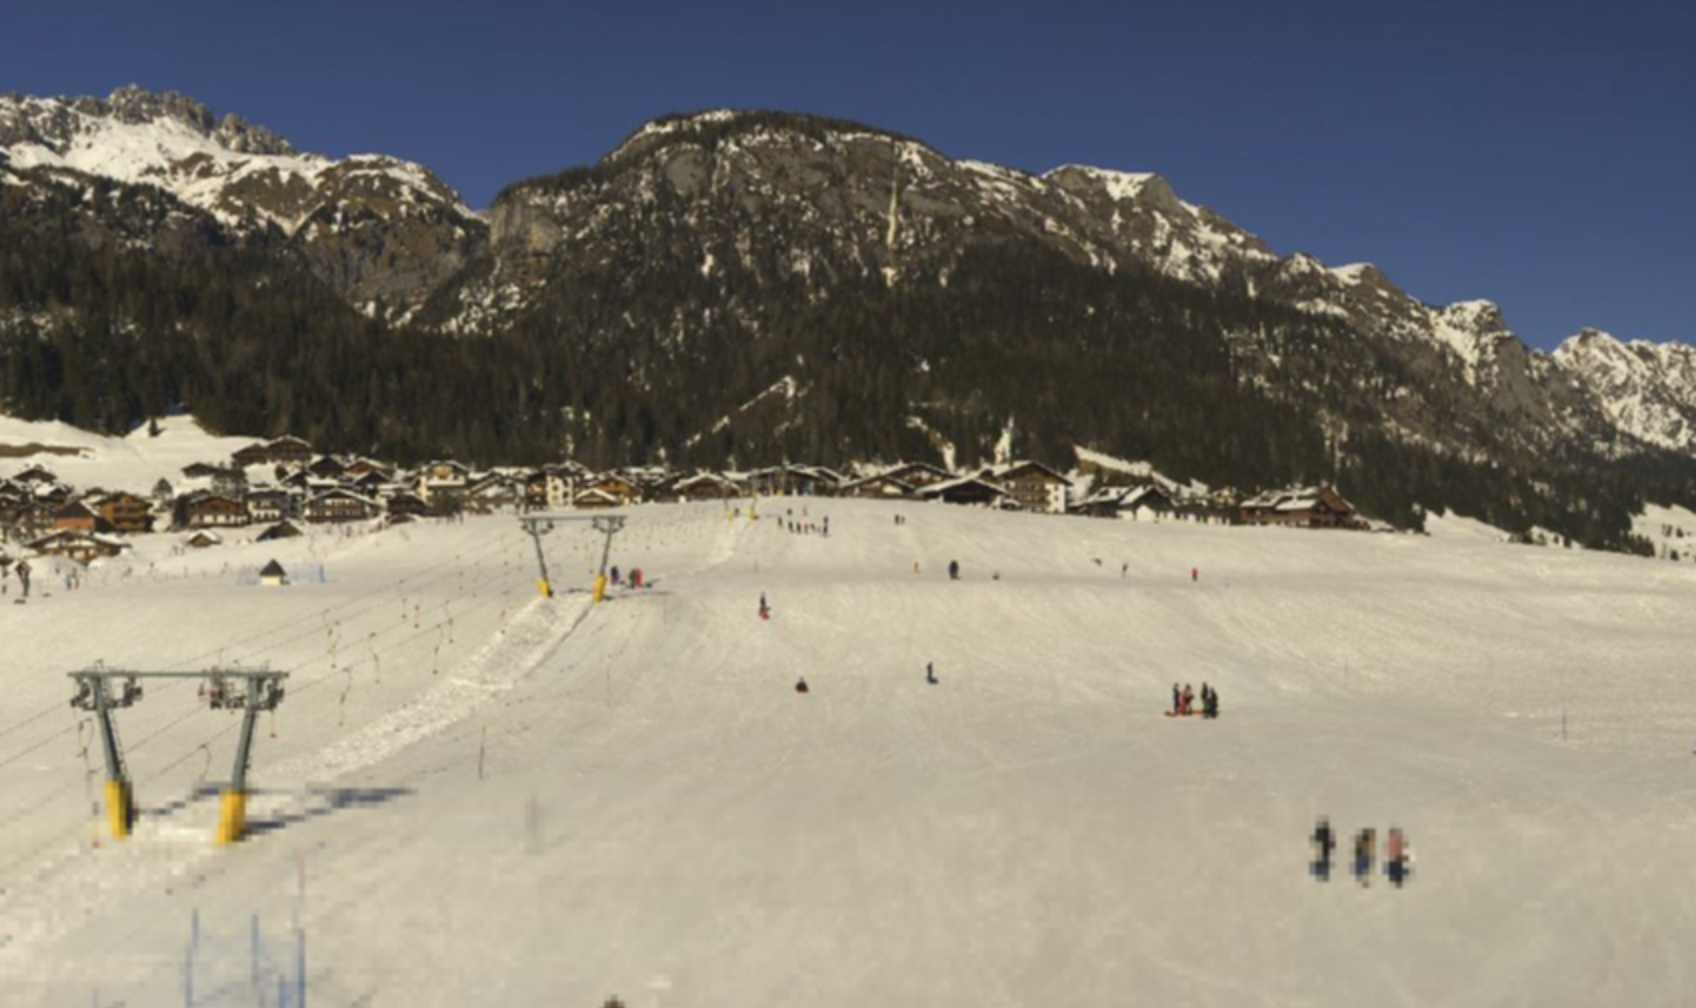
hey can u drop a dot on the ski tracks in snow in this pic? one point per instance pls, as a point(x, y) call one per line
point(74, 884)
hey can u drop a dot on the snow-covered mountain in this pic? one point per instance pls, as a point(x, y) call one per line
point(903, 299)
point(1647, 390)
point(382, 230)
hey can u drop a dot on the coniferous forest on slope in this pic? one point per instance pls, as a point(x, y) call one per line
point(638, 357)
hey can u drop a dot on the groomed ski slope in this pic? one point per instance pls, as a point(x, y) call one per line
point(565, 802)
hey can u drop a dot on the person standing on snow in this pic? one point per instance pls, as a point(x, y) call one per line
point(953, 570)
point(930, 674)
point(1177, 707)
point(1396, 857)
point(1364, 846)
point(1188, 698)
point(1324, 842)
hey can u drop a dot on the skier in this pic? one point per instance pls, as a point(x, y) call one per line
point(953, 570)
point(930, 674)
point(1364, 844)
point(1124, 570)
point(615, 574)
point(1195, 574)
point(1324, 842)
point(1396, 857)
point(23, 576)
point(1206, 701)
point(765, 610)
point(801, 685)
point(1187, 699)
point(1211, 704)
point(1177, 705)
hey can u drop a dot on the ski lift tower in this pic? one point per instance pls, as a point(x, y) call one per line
point(247, 690)
point(540, 525)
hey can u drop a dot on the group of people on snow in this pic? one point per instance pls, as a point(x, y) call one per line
point(1398, 857)
point(1183, 701)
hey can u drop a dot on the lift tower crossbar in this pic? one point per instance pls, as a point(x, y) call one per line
point(247, 690)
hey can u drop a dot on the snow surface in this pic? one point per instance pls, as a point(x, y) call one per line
point(660, 816)
point(134, 463)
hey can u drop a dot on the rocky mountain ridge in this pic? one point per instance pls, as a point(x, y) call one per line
point(905, 303)
point(839, 198)
point(382, 231)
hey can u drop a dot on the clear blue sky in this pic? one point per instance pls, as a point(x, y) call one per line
point(1541, 154)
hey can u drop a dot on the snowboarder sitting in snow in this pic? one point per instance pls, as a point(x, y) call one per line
point(801, 685)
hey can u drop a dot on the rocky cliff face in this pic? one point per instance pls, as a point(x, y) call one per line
point(382, 231)
point(831, 202)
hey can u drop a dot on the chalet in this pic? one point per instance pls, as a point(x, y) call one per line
point(562, 482)
point(371, 483)
point(272, 575)
point(795, 481)
point(362, 467)
point(254, 454)
point(284, 451)
point(28, 519)
point(1302, 507)
point(967, 490)
point(35, 476)
point(408, 505)
point(204, 539)
point(918, 475)
point(1149, 502)
point(1036, 487)
point(271, 504)
point(83, 547)
point(335, 506)
point(77, 517)
point(610, 485)
point(443, 483)
point(703, 486)
point(326, 467)
point(493, 492)
point(126, 513)
point(536, 491)
point(201, 470)
point(288, 450)
point(880, 487)
point(595, 499)
point(281, 530)
point(212, 510)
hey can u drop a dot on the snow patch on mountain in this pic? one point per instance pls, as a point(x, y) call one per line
point(219, 170)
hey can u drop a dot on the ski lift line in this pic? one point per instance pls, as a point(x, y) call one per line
point(368, 605)
point(296, 691)
point(364, 605)
point(28, 721)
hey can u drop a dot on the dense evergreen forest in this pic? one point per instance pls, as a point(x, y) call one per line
point(638, 356)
